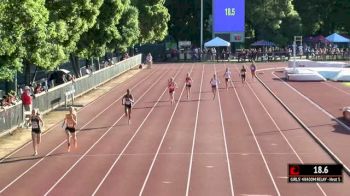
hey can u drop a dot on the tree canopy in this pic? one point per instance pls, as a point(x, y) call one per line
point(47, 33)
point(153, 19)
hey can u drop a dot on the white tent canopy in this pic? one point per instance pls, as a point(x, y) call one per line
point(217, 42)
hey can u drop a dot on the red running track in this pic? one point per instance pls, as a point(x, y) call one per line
point(238, 144)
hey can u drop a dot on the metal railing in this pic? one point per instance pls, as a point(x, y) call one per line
point(12, 117)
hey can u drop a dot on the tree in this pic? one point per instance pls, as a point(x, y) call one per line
point(185, 20)
point(26, 38)
point(93, 42)
point(129, 30)
point(153, 18)
point(267, 19)
point(74, 17)
point(323, 17)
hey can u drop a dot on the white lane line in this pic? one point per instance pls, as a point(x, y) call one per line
point(57, 124)
point(194, 135)
point(256, 141)
point(53, 150)
point(337, 88)
point(99, 139)
point(225, 141)
point(162, 140)
point(280, 131)
point(132, 138)
point(313, 103)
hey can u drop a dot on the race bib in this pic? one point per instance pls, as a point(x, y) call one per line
point(35, 125)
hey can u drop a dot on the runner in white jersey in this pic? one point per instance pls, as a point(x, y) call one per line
point(127, 101)
point(214, 82)
point(227, 76)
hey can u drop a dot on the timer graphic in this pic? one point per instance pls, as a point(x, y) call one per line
point(315, 173)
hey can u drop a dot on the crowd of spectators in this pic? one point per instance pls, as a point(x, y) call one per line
point(8, 100)
point(264, 54)
point(325, 53)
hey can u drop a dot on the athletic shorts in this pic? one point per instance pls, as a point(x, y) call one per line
point(227, 79)
point(243, 75)
point(213, 86)
point(37, 131)
point(70, 129)
point(127, 106)
point(171, 90)
point(188, 85)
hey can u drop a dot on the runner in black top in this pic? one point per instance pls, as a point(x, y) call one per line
point(243, 71)
point(127, 101)
point(188, 82)
point(36, 129)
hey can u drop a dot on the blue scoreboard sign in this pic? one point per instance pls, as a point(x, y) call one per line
point(228, 16)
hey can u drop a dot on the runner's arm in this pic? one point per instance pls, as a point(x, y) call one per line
point(64, 122)
point(40, 120)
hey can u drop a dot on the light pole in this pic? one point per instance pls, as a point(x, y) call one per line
point(201, 25)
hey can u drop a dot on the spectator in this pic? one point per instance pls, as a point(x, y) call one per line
point(5, 101)
point(38, 89)
point(149, 60)
point(27, 104)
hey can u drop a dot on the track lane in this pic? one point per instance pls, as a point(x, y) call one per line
point(169, 174)
point(135, 158)
point(209, 174)
point(60, 160)
point(243, 151)
point(277, 150)
point(130, 171)
point(112, 128)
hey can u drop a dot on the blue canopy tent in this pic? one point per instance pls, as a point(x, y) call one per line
point(263, 43)
point(336, 38)
point(217, 42)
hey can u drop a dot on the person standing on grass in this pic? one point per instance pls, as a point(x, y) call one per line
point(253, 69)
point(243, 72)
point(188, 82)
point(214, 82)
point(35, 121)
point(71, 122)
point(171, 87)
point(128, 101)
point(227, 76)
